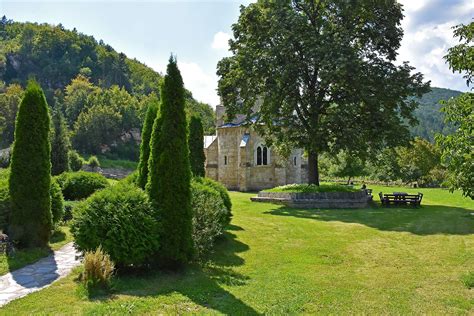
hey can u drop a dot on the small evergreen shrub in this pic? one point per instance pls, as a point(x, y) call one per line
point(98, 269)
point(222, 192)
point(209, 217)
point(57, 202)
point(75, 161)
point(121, 220)
point(93, 162)
point(80, 185)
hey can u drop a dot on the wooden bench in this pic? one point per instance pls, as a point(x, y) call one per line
point(400, 198)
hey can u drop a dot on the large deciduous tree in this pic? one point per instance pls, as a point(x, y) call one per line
point(458, 148)
point(196, 147)
point(30, 176)
point(321, 75)
point(169, 172)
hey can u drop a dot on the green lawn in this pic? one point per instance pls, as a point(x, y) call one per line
point(24, 257)
point(311, 188)
point(276, 260)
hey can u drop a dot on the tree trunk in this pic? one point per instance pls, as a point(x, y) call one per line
point(313, 170)
point(349, 181)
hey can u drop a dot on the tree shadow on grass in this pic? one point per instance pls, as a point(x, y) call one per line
point(33, 267)
point(425, 220)
point(202, 284)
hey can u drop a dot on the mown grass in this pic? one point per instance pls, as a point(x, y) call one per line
point(311, 188)
point(276, 260)
point(24, 257)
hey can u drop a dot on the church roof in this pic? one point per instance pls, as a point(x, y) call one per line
point(240, 122)
point(208, 140)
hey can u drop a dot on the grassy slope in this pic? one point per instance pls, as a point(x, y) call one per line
point(278, 261)
point(24, 257)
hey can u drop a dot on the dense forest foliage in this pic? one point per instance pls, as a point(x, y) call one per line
point(430, 119)
point(84, 78)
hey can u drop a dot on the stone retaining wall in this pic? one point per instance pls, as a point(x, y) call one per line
point(358, 199)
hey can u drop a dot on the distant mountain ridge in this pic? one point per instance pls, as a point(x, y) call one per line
point(53, 56)
point(430, 119)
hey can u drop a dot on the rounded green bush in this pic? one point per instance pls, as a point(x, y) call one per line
point(75, 161)
point(80, 185)
point(222, 192)
point(57, 202)
point(121, 220)
point(209, 217)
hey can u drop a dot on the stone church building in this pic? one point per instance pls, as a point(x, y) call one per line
point(238, 158)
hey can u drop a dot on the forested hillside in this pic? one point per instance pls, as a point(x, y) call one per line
point(431, 120)
point(85, 79)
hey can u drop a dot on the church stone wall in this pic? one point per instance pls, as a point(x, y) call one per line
point(228, 157)
point(235, 167)
point(212, 161)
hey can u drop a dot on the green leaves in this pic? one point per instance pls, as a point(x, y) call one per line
point(30, 177)
point(324, 72)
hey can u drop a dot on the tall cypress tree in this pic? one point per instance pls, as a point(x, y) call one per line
point(170, 174)
point(196, 147)
point(59, 145)
point(151, 115)
point(30, 176)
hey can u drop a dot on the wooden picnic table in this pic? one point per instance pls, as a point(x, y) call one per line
point(400, 198)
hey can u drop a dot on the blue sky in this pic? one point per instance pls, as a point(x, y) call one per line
point(198, 31)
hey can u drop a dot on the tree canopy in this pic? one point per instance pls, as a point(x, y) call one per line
point(458, 148)
point(321, 75)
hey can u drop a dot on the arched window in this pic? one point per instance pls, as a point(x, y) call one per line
point(259, 156)
point(262, 155)
point(294, 160)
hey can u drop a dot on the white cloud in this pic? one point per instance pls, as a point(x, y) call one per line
point(429, 35)
point(221, 41)
point(200, 83)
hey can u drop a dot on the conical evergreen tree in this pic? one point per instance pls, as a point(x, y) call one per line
point(151, 115)
point(30, 176)
point(59, 145)
point(170, 174)
point(196, 147)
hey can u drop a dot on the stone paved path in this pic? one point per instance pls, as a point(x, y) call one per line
point(38, 275)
